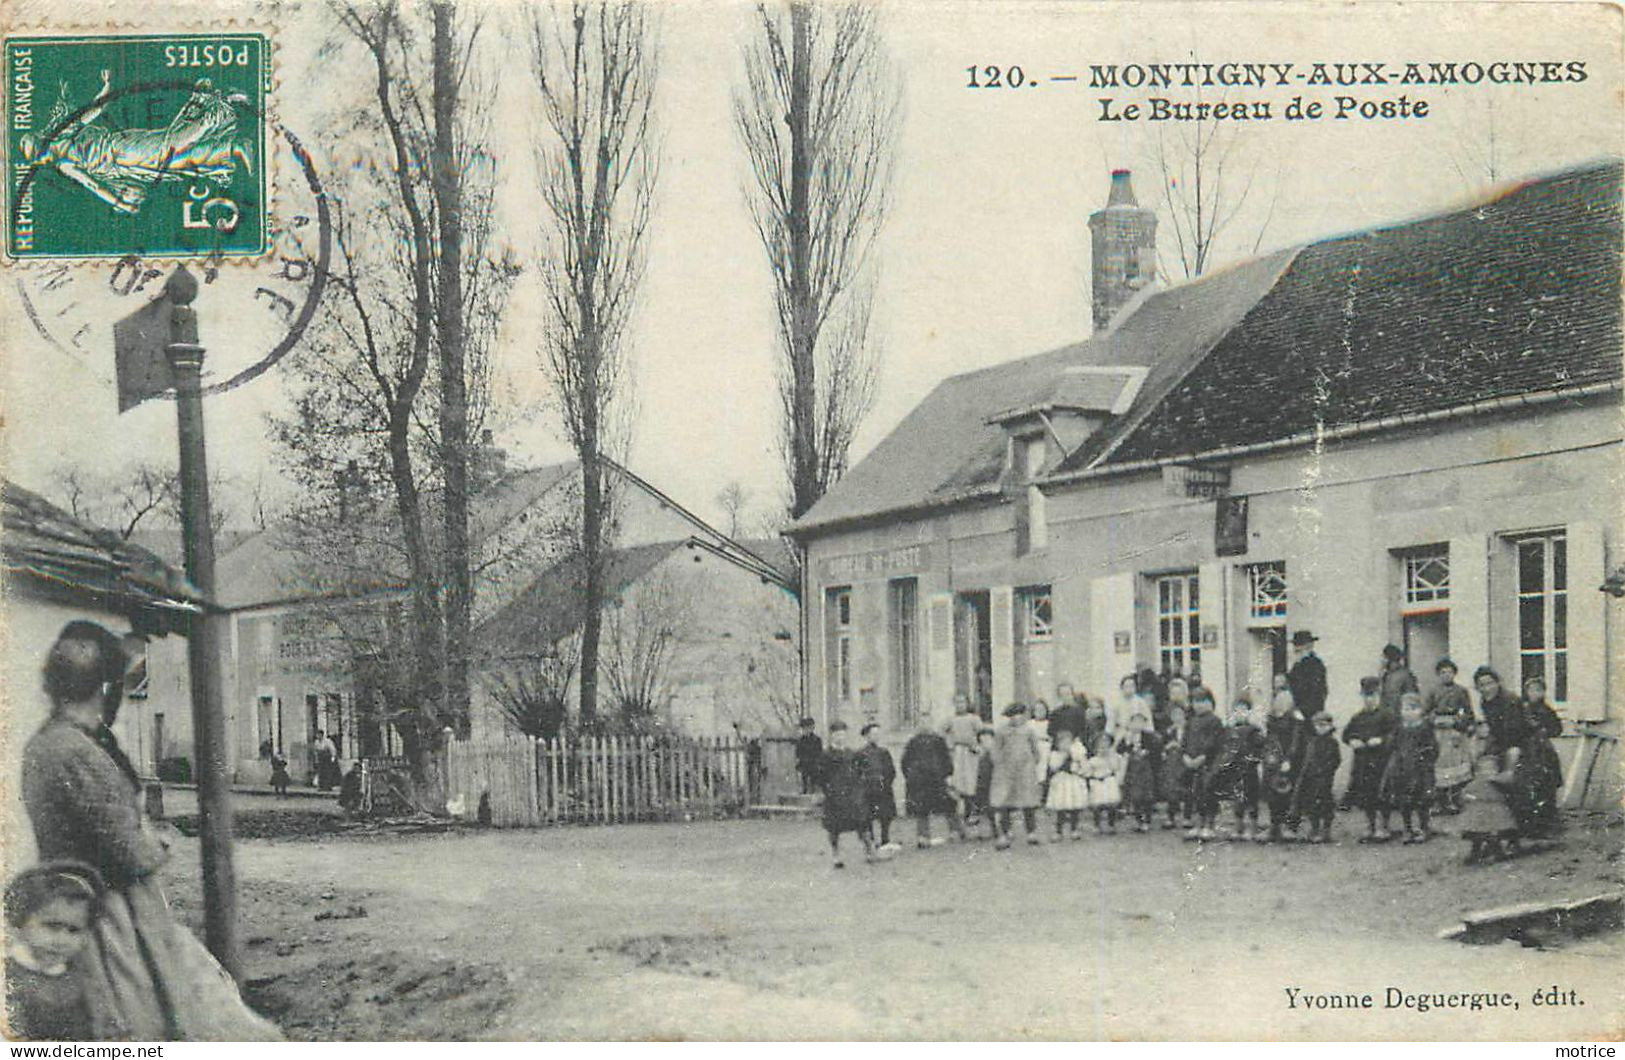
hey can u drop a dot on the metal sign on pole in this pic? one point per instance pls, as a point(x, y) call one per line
point(154, 346)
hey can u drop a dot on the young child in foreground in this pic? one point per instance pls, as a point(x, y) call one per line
point(1204, 737)
point(1068, 794)
point(846, 804)
point(1313, 800)
point(1486, 820)
point(1141, 751)
point(1368, 734)
point(879, 780)
point(1410, 768)
point(49, 911)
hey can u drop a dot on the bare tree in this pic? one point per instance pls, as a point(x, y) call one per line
point(595, 67)
point(817, 115)
point(1207, 176)
point(732, 499)
point(395, 376)
point(142, 494)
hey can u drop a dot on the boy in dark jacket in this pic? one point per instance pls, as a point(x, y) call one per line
point(1286, 737)
point(1234, 773)
point(846, 805)
point(809, 757)
point(1368, 733)
point(879, 778)
point(927, 765)
point(1204, 736)
point(1409, 779)
point(1313, 798)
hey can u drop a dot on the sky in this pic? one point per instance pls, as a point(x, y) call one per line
point(984, 256)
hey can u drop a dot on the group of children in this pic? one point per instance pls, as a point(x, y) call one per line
point(1182, 755)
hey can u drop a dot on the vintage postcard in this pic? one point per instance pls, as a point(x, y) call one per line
point(924, 520)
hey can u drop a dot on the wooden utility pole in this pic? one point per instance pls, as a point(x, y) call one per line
point(185, 357)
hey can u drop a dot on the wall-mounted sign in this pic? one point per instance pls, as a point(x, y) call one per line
point(1122, 642)
point(1210, 636)
point(906, 559)
point(1230, 526)
point(1196, 483)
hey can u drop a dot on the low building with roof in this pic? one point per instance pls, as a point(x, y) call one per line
point(1404, 435)
point(58, 569)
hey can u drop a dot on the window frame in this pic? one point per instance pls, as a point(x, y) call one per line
point(1275, 610)
point(1412, 600)
point(1554, 657)
point(1187, 651)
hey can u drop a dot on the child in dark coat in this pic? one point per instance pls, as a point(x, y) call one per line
point(809, 757)
point(1204, 738)
point(1312, 798)
point(1368, 734)
point(1234, 772)
point(1141, 750)
point(846, 805)
point(1409, 776)
point(879, 780)
point(928, 764)
point(49, 911)
point(1286, 737)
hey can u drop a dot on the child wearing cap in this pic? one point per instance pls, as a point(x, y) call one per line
point(879, 779)
point(1016, 761)
point(1204, 738)
point(1368, 734)
point(1286, 736)
point(928, 765)
point(846, 805)
point(49, 910)
point(1409, 776)
point(1312, 800)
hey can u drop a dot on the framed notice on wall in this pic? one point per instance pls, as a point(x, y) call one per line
point(1230, 526)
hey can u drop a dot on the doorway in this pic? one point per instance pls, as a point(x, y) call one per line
point(973, 650)
point(1266, 657)
point(1427, 640)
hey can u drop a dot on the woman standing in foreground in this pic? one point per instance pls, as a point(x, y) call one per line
point(145, 977)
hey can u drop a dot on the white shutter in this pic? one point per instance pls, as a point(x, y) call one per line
point(1111, 615)
point(1004, 656)
point(939, 655)
point(1587, 624)
point(1470, 603)
point(1215, 614)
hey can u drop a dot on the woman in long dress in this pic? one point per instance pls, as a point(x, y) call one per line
point(145, 977)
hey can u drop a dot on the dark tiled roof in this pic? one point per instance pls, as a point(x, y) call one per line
point(945, 451)
point(1516, 295)
point(44, 543)
point(554, 605)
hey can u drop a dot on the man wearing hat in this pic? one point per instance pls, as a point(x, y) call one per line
point(1307, 678)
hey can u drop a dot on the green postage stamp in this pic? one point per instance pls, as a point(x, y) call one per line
point(147, 145)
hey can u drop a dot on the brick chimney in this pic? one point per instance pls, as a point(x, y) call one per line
point(1123, 241)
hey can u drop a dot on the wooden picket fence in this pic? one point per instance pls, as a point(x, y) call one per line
point(599, 779)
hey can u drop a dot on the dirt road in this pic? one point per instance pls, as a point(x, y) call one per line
point(741, 929)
